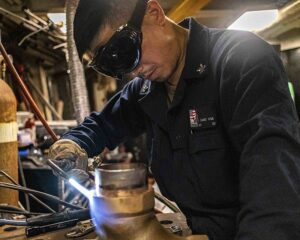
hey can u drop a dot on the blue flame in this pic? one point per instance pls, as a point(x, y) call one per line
point(87, 193)
point(102, 214)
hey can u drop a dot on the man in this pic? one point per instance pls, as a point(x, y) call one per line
point(222, 129)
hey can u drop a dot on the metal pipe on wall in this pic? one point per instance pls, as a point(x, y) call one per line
point(44, 100)
point(30, 23)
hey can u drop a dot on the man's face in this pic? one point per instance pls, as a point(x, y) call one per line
point(159, 56)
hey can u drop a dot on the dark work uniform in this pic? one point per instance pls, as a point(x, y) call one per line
point(227, 149)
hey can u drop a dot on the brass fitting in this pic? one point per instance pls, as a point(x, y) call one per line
point(128, 214)
point(127, 202)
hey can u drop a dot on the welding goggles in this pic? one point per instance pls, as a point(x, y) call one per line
point(122, 53)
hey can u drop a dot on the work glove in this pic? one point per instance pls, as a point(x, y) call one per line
point(70, 157)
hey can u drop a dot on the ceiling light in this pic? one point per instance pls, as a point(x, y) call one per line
point(255, 20)
point(58, 19)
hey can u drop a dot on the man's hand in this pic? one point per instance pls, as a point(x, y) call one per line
point(70, 157)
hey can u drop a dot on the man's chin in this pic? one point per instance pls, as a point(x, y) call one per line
point(158, 79)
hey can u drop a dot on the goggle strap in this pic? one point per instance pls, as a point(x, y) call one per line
point(137, 16)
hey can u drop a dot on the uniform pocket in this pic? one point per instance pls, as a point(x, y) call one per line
point(204, 141)
point(212, 167)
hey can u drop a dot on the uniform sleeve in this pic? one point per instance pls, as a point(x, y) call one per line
point(264, 130)
point(121, 118)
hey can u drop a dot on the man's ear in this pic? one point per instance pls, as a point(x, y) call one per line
point(154, 13)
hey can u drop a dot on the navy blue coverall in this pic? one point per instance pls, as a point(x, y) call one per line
point(227, 148)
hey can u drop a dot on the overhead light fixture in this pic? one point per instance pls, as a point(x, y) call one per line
point(255, 20)
point(58, 19)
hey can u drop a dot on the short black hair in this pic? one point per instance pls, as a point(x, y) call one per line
point(92, 15)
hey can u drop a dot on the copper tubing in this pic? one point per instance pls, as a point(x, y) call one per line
point(26, 92)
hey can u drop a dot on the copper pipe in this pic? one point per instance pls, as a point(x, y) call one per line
point(28, 96)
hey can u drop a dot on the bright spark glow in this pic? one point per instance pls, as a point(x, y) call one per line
point(87, 193)
point(59, 19)
point(101, 214)
point(255, 20)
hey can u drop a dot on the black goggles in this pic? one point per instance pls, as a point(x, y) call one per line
point(122, 53)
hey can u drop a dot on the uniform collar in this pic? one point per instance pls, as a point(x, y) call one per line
point(154, 102)
point(196, 64)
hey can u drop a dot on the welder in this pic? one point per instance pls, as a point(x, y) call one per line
point(222, 130)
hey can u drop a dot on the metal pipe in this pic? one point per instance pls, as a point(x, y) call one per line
point(126, 211)
point(21, 172)
point(42, 21)
point(31, 34)
point(31, 23)
point(111, 176)
point(40, 95)
point(77, 77)
point(29, 194)
point(26, 92)
point(38, 193)
point(31, 14)
point(19, 17)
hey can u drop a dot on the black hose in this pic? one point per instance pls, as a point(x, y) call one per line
point(49, 218)
point(11, 207)
point(23, 182)
point(32, 196)
point(20, 212)
point(13, 222)
point(82, 214)
point(41, 194)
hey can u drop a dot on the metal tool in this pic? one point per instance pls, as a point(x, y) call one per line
point(82, 229)
point(57, 169)
point(33, 231)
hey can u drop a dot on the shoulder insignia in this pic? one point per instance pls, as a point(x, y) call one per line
point(145, 87)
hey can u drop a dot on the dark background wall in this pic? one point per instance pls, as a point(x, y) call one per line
point(291, 60)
